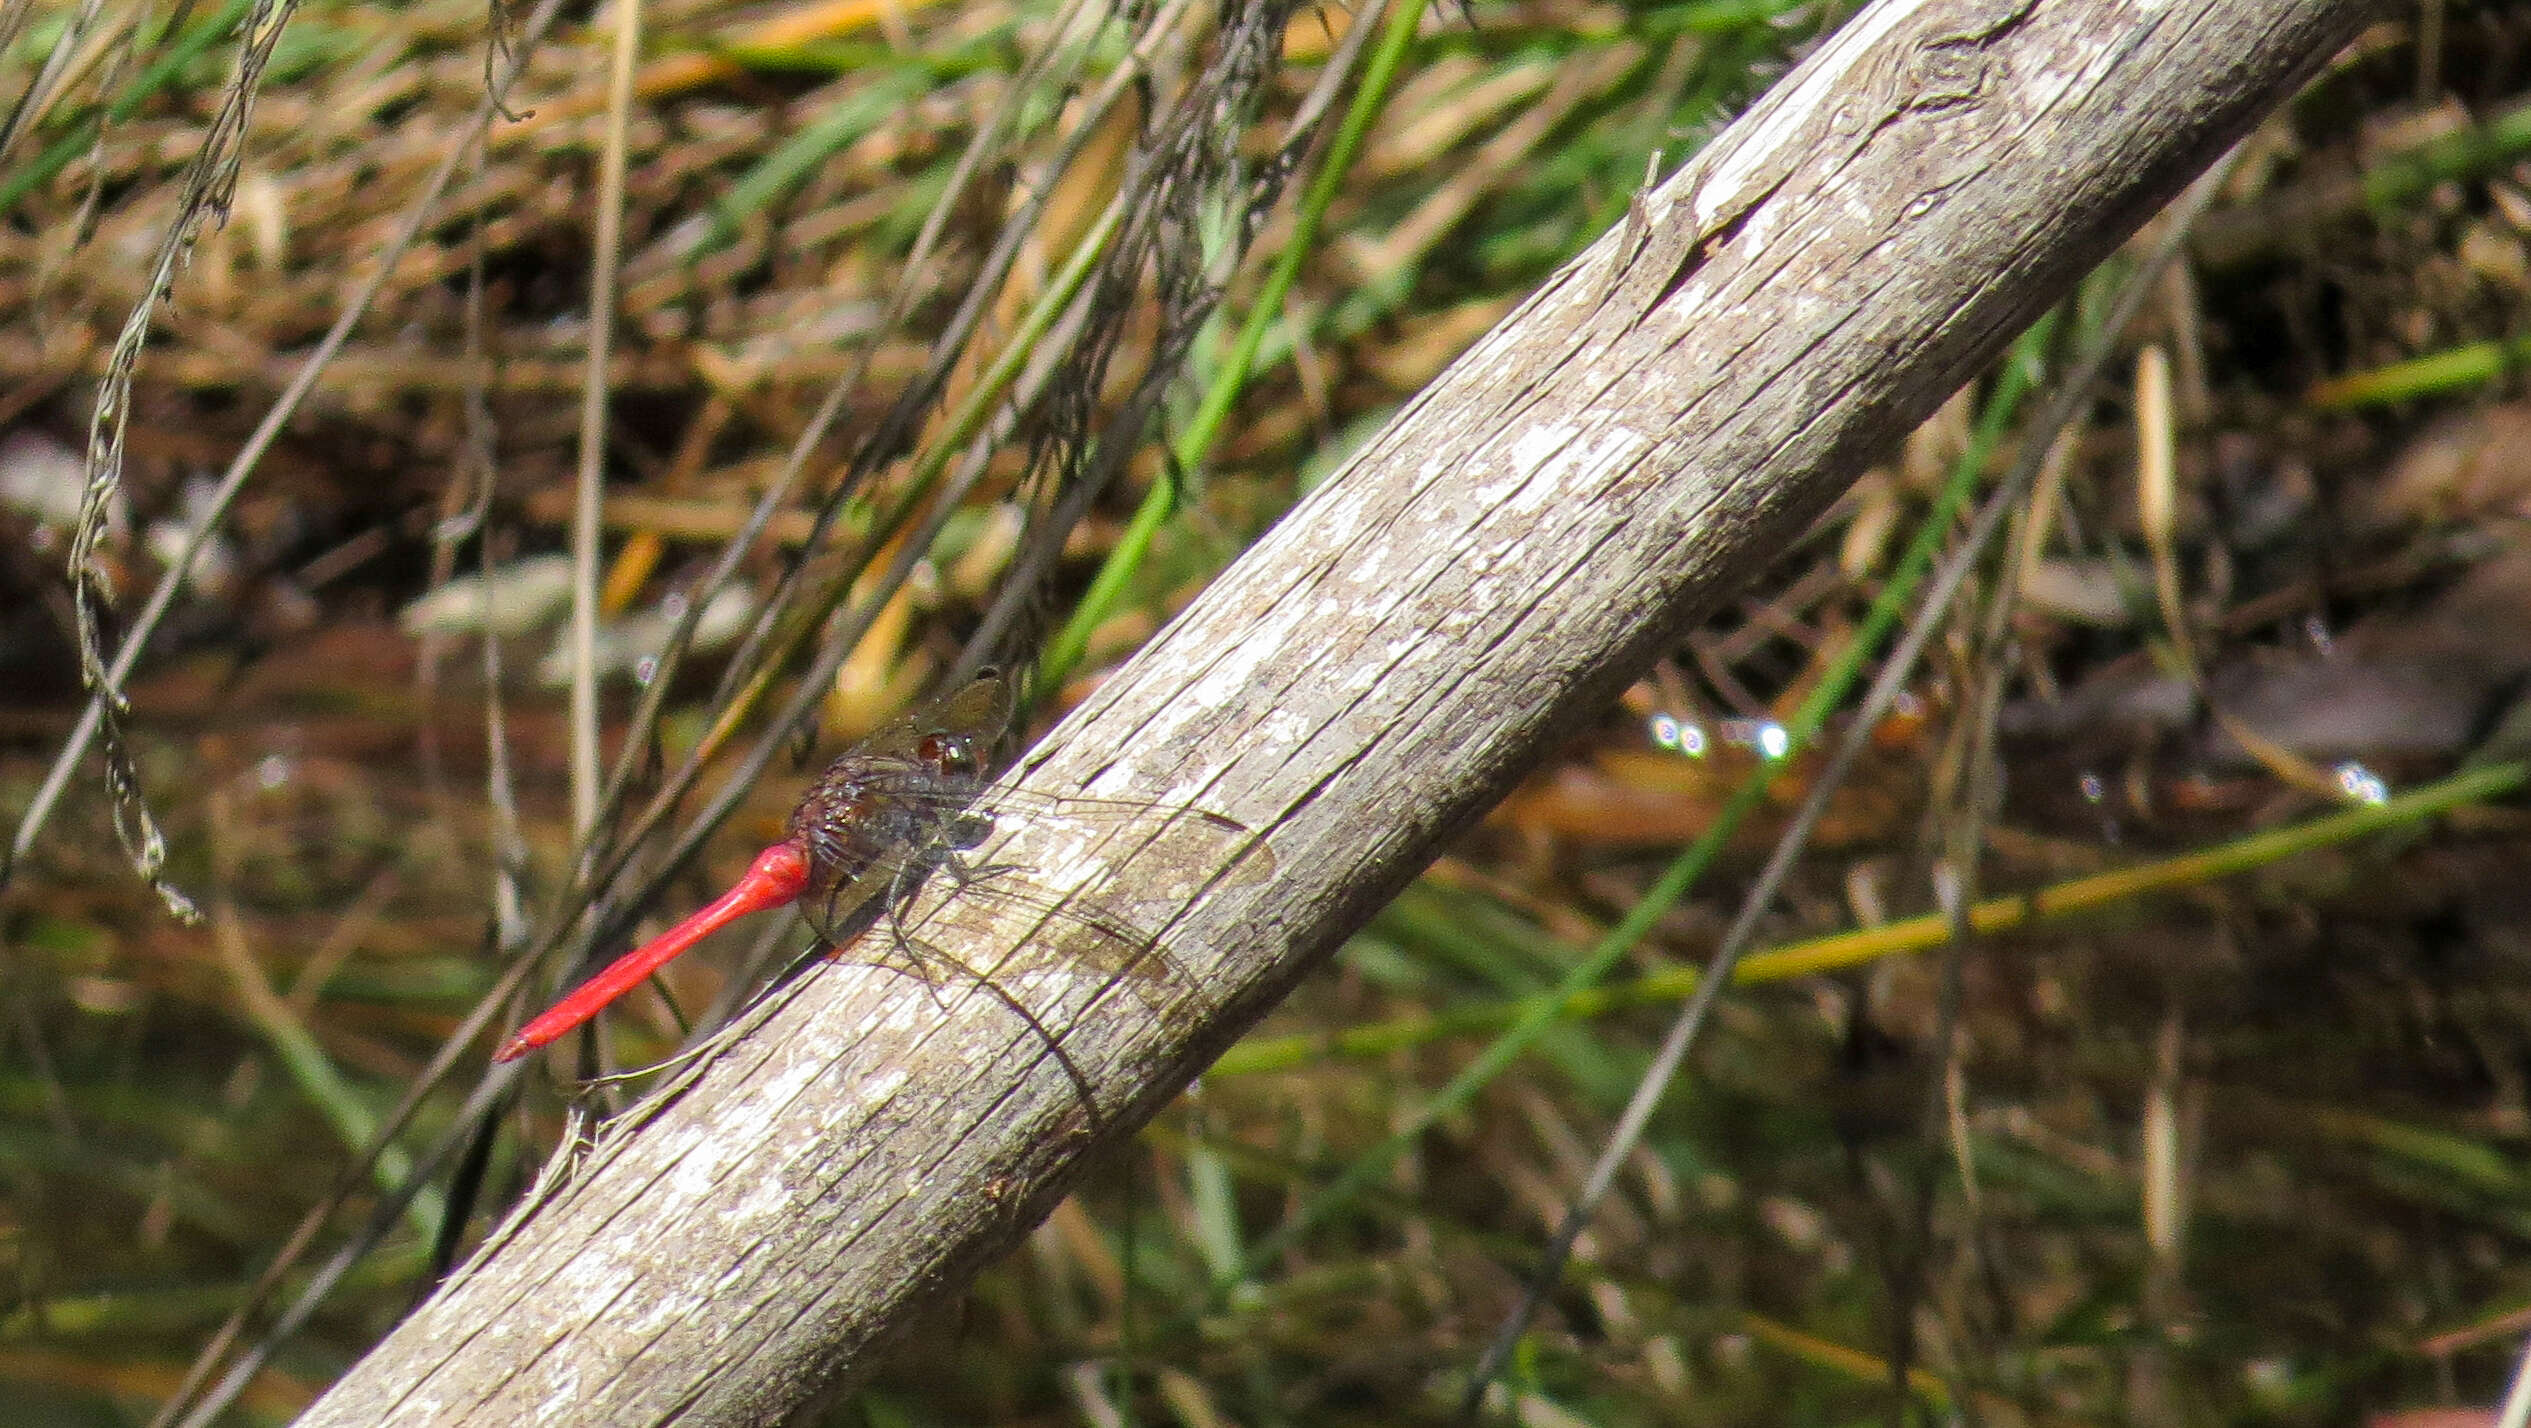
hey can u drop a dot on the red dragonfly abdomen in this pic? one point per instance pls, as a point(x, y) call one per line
point(779, 875)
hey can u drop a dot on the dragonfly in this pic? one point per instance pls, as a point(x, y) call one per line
point(885, 814)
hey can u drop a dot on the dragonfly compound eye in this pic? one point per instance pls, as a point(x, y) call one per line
point(952, 755)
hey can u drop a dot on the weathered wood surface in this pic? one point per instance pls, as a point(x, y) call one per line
point(1654, 424)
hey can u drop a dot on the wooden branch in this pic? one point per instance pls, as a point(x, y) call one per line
point(1649, 428)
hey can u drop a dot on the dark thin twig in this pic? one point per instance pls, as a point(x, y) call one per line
point(382, 1221)
point(1161, 207)
point(603, 859)
point(885, 442)
point(416, 217)
point(1892, 680)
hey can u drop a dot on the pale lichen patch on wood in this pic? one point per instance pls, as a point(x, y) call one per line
point(561, 1398)
point(764, 1201)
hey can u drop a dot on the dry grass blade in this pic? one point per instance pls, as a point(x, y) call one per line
point(605, 258)
point(209, 185)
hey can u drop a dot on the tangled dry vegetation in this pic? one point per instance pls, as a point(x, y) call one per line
point(2228, 1126)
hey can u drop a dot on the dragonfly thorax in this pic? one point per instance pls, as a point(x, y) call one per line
point(886, 818)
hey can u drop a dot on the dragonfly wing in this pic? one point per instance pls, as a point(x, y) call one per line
point(979, 709)
point(1150, 852)
point(1074, 933)
point(1157, 854)
point(1103, 914)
